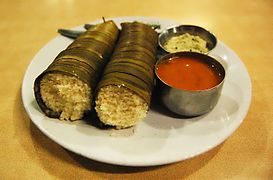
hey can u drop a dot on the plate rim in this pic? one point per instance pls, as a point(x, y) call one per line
point(44, 131)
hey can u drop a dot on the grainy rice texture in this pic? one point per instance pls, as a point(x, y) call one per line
point(120, 107)
point(66, 94)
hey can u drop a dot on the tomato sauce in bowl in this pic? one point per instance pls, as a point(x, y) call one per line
point(189, 83)
point(189, 73)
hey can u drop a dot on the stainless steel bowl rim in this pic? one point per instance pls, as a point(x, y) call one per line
point(177, 26)
point(175, 55)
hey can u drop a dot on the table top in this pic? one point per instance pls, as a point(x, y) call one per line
point(245, 26)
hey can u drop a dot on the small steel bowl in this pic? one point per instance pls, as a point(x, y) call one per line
point(166, 34)
point(189, 103)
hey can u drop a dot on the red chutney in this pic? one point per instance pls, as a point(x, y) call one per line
point(188, 73)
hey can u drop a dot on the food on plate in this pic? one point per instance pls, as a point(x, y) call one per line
point(124, 92)
point(65, 89)
point(186, 42)
point(189, 73)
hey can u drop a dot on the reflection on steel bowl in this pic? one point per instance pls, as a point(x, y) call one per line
point(189, 83)
point(187, 38)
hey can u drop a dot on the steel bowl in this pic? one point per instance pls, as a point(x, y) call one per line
point(206, 35)
point(189, 102)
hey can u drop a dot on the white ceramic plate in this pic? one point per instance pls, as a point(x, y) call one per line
point(159, 139)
